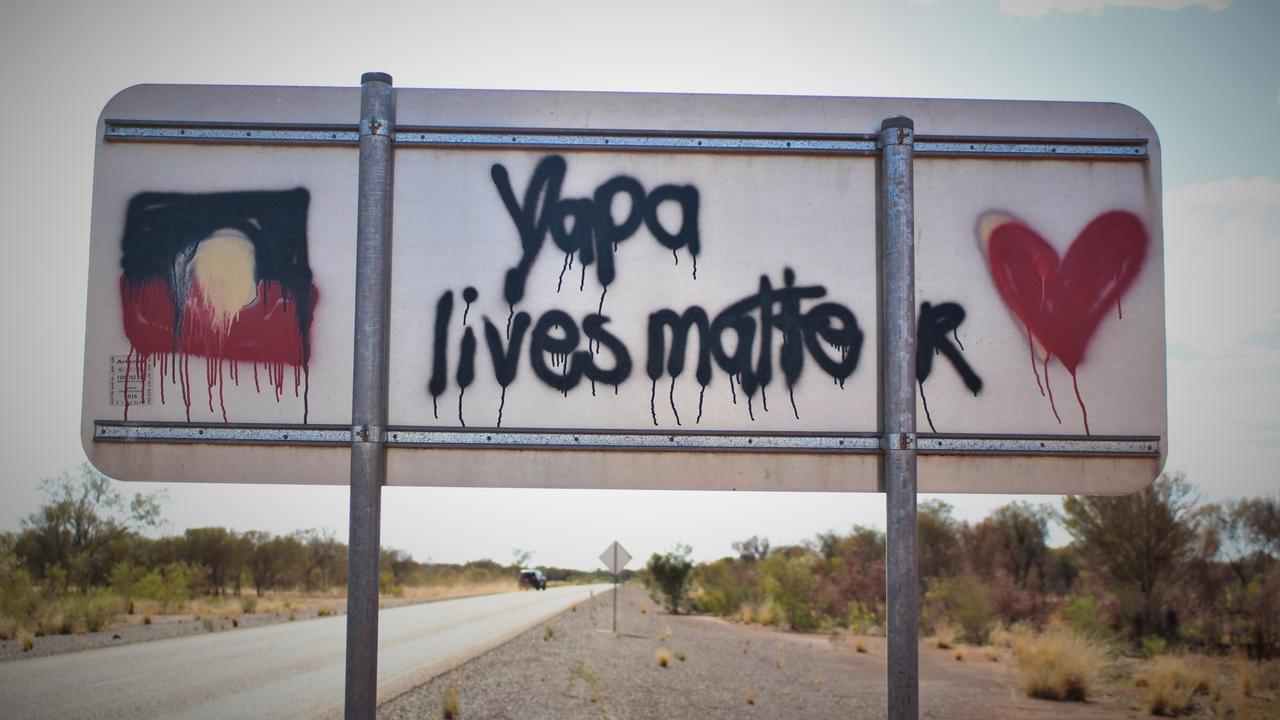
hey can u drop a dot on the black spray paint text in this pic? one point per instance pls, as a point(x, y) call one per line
point(743, 339)
point(587, 226)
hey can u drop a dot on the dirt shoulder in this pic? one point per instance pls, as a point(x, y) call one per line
point(574, 667)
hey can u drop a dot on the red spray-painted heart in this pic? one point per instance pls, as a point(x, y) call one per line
point(1061, 303)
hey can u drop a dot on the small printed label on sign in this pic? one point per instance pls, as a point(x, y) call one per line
point(129, 380)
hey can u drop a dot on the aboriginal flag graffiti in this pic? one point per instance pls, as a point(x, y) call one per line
point(223, 277)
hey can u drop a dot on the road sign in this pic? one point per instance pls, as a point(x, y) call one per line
point(615, 557)
point(624, 291)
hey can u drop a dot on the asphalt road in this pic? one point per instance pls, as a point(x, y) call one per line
point(288, 670)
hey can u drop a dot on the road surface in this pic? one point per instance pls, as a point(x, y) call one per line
point(288, 670)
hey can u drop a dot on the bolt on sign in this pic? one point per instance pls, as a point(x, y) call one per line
point(624, 291)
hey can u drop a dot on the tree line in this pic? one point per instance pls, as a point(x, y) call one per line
point(1154, 568)
point(87, 539)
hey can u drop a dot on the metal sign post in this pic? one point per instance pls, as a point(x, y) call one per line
point(615, 557)
point(369, 394)
point(896, 225)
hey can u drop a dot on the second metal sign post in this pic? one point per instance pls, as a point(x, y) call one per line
point(369, 389)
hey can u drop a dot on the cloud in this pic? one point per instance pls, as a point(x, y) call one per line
point(1222, 262)
point(1038, 8)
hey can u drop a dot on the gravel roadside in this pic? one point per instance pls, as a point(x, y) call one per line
point(573, 666)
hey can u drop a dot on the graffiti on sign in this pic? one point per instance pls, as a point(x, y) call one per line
point(219, 276)
point(224, 277)
point(1060, 303)
point(765, 337)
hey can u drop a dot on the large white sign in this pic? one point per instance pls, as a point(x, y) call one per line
point(640, 291)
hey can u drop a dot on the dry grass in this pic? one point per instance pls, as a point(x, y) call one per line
point(27, 638)
point(663, 656)
point(860, 644)
point(440, 592)
point(751, 697)
point(1171, 684)
point(945, 639)
point(1242, 672)
point(777, 661)
point(992, 654)
point(548, 632)
point(681, 655)
point(1001, 637)
point(959, 654)
point(451, 702)
point(1059, 665)
point(761, 614)
point(665, 635)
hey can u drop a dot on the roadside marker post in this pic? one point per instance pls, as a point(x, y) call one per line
point(369, 389)
point(615, 558)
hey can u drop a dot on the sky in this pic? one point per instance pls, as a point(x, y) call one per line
point(1205, 72)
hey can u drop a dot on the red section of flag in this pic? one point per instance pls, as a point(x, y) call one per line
point(266, 331)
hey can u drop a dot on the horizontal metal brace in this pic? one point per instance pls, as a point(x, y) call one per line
point(109, 431)
point(926, 146)
point(1126, 445)
point(623, 140)
point(532, 439)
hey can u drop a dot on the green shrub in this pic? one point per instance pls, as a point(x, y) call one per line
point(387, 584)
point(790, 582)
point(19, 600)
point(124, 578)
point(722, 591)
point(1153, 645)
point(92, 613)
point(863, 618)
point(965, 602)
point(1082, 615)
point(669, 575)
point(169, 584)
